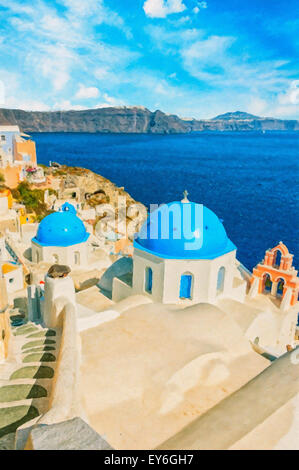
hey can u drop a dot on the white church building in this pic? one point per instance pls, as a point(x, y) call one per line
point(182, 254)
point(61, 238)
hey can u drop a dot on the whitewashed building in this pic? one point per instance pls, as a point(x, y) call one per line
point(182, 254)
point(61, 238)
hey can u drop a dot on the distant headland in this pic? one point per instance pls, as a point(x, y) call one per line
point(137, 119)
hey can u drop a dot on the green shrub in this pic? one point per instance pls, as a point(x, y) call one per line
point(13, 417)
point(33, 372)
point(21, 392)
point(40, 342)
point(32, 198)
point(39, 357)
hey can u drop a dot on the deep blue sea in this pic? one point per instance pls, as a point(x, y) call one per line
point(250, 180)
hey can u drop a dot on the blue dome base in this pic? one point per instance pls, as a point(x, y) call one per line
point(188, 256)
point(61, 244)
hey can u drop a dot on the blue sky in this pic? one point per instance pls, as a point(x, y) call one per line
point(188, 57)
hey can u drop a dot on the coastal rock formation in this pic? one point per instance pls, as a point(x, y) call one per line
point(137, 120)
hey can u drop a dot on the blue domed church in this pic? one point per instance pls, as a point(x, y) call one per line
point(61, 238)
point(182, 254)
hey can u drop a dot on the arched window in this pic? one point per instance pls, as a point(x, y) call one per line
point(220, 280)
point(280, 287)
point(148, 280)
point(186, 286)
point(55, 259)
point(37, 256)
point(277, 259)
point(267, 283)
point(77, 257)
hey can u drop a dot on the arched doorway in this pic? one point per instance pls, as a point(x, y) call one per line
point(277, 259)
point(267, 284)
point(280, 287)
point(77, 257)
point(148, 280)
point(186, 286)
point(220, 280)
point(55, 259)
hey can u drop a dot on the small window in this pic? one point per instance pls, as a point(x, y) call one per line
point(3, 138)
point(11, 280)
point(148, 280)
point(186, 286)
point(220, 280)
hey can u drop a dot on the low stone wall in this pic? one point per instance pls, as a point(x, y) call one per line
point(246, 419)
point(5, 332)
point(120, 290)
point(64, 400)
point(62, 427)
point(73, 434)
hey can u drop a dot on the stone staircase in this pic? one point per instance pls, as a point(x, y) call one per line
point(26, 378)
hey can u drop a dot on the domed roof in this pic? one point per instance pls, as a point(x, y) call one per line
point(195, 232)
point(62, 228)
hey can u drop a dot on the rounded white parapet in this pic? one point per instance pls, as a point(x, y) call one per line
point(58, 293)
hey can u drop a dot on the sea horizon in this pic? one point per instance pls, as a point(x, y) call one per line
point(258, 205)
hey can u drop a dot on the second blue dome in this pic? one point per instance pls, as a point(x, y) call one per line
point(62, 228)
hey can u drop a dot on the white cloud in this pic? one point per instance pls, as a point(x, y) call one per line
point(110, 101)
point(102, 73)
point(291, 96)
point(285, 104)
point(257, 106)
point(26, 105)
point(97, 13)
point(162, 8)
point(200, 6)
point(87, 92)
point(54, 63)
point(66, 105)
point(53, 43)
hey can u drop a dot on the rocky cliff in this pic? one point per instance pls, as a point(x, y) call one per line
point(136, 120)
